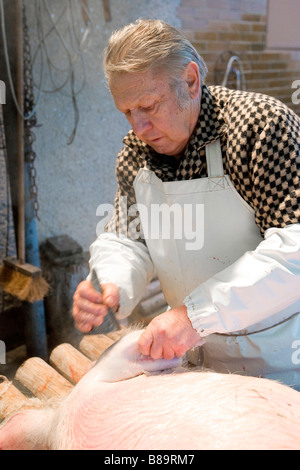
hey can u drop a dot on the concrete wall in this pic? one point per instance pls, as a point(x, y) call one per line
point(73, 180)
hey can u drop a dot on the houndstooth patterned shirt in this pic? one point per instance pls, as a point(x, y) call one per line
point(260, 142)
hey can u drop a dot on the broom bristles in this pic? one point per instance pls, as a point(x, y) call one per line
point(25, 288)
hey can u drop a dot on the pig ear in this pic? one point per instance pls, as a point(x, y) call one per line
point(106, 352)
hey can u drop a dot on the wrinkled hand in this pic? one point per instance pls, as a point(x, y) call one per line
point(169, 334)
point(90, 307)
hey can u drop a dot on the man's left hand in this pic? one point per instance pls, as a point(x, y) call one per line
point(169, 334)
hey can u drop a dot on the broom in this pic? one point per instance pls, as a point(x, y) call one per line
point(20, 279)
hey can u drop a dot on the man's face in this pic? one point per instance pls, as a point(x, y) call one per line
point(152, 109)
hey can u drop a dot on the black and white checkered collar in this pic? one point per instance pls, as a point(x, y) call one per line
point(210, 125)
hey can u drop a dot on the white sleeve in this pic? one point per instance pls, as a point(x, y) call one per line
point(124, 262)
point(262, 285)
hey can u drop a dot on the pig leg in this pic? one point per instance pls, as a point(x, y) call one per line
point(27, 430)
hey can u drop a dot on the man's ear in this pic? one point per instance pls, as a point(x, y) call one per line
point(193, 80)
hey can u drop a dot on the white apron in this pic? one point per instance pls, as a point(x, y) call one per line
point(194, 229)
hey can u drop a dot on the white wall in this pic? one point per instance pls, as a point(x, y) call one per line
point(73, 180)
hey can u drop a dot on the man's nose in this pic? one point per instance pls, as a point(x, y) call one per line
point(140, 122)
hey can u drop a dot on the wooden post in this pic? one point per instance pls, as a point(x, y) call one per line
point(42, 380)
point(84, 8)
point(11, 399)
point(70, 362)
point(94, 345)
point(106, 10)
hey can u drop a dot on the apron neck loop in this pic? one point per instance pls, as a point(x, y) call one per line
point(214, 159)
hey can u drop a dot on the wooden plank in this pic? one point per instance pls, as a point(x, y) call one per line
point(70, 362)
point(94, 345)
point(42, 380)
point(106, 10)
point(84, 8)
point(24, 268)
point(11, 399)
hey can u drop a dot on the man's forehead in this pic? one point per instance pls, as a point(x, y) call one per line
point(140, 83)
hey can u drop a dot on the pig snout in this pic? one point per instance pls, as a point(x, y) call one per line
point(123, 360)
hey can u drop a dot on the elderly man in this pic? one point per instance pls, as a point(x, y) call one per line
point(225, 164)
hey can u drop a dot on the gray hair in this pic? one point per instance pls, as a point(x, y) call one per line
point(150, 44)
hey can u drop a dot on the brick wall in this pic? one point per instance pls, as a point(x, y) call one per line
point(220, 28)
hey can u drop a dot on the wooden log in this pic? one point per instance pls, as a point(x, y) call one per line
point(106, 10)
point(70, 362)
point(84, 8)
point(94, 345)
point(42, 380)
point(115, 335)
point(11, 399)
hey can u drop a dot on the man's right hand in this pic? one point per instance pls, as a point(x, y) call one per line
point(90, 307)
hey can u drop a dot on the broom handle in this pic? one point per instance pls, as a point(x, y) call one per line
point(20, 132)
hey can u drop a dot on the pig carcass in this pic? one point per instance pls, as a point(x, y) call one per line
point(124, 402)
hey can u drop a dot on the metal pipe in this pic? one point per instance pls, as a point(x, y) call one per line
point(240, 75)
point(34, 313)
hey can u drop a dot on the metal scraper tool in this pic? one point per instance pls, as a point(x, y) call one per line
point(110, 322)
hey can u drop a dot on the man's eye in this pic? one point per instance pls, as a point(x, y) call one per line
point(149, 108)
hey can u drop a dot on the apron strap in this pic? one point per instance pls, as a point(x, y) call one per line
point(214, 159)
